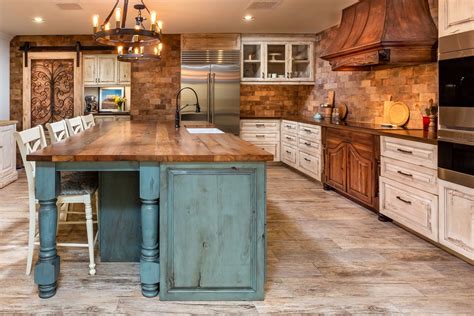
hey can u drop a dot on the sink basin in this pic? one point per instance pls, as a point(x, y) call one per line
point(204, 131)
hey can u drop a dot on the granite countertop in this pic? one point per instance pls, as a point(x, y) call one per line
point(7, 122)
point(376, 129)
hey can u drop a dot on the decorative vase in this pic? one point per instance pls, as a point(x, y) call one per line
point(426, 122)
point(119, 106)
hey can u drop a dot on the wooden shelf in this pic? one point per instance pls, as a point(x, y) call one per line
point(277, 61)
point(252, 61)
point(296, 61)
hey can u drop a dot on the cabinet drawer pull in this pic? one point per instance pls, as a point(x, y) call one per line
point(405, 174)
point(307, 144)
point(307, 130)
point(403, 200)
point(289, 126)
point(288, 137)
point(309, 160)
point(260, 136)
point(260, 125)
point(405, 151)
point(289, 152)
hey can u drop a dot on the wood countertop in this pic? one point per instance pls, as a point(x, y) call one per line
point(7, 122)
point(429, 137)
point(149, 141)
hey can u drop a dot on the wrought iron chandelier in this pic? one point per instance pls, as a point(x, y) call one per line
point(133, 44)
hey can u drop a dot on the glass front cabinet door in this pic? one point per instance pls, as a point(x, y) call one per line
point(276, 58)
point(253, 62)
point(300, 62)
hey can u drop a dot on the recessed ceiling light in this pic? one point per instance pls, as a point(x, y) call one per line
point(38, 19)
point(248, 18)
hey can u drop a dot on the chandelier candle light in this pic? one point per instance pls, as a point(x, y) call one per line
point(133, 44)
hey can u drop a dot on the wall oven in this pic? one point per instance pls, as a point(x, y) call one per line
point(456, 109)
point(456, 83)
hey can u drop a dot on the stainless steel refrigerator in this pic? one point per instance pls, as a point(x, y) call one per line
point(215, 76)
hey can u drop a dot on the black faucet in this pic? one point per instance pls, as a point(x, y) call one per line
point(178, 109)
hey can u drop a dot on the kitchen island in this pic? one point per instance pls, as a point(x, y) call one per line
point(200, 200)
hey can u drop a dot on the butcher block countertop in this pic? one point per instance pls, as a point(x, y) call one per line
point(7, 122)
point(149, 141)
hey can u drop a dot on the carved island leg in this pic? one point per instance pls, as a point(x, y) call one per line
point(47, 267)
point(149, 259)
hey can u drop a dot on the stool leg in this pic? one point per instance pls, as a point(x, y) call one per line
point(90, 234)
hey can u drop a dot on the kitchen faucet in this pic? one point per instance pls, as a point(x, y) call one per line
point(178, 109)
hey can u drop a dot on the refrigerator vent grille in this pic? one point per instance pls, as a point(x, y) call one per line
point(211, 57)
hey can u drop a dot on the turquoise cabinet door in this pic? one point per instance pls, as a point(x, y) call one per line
point(212, 232)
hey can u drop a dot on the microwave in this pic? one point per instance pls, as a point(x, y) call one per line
point(456, 83)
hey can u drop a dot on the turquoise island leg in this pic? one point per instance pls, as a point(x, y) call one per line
point(47, 267)
point(149, 259)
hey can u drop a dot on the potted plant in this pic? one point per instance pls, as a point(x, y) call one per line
point(119, 101)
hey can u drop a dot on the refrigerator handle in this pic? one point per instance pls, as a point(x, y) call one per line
point(209, 97)
point(213, 97)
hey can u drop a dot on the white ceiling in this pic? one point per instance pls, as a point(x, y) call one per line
point(179, 16)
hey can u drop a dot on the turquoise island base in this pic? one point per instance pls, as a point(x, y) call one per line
point(196, 227)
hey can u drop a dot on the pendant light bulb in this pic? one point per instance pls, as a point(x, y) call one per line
point(95, 23)
point(118, 17)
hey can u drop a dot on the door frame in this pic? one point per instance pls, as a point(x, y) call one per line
point(78, 92)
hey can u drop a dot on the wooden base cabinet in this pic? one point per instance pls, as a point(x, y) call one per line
point(351, 163)
point(456, 218)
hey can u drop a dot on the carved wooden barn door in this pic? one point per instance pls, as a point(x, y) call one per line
point(52, 90)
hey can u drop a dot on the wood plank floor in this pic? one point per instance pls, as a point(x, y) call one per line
point(325, 255)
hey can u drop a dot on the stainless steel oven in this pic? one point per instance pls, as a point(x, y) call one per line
point(456, 109)
point(456, 162)
point(456, 83)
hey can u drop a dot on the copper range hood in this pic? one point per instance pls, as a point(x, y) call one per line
point(383, 33)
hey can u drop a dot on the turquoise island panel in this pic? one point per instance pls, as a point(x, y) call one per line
point(212, 231)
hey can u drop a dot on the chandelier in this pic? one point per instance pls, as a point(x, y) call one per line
point(140, 43)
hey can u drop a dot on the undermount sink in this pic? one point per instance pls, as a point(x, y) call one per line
point(204, 130)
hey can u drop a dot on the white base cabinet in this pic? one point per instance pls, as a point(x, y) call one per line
point(456, 218)
point(408, 184)
point(262, 133)
point(413, 208)
point(301, 147)
point(8, 172)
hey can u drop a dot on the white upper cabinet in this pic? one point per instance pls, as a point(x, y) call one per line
point(455, 16)
point(124, 73)
point(90, 69)
point(277, 60)
point(105, 70)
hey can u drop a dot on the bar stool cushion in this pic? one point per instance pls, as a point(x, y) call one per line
point(78, 183)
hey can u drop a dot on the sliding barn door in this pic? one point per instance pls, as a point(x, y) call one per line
point(52, 90)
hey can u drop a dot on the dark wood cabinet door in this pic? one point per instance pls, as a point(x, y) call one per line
point(360, 176)
point(336, 162)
